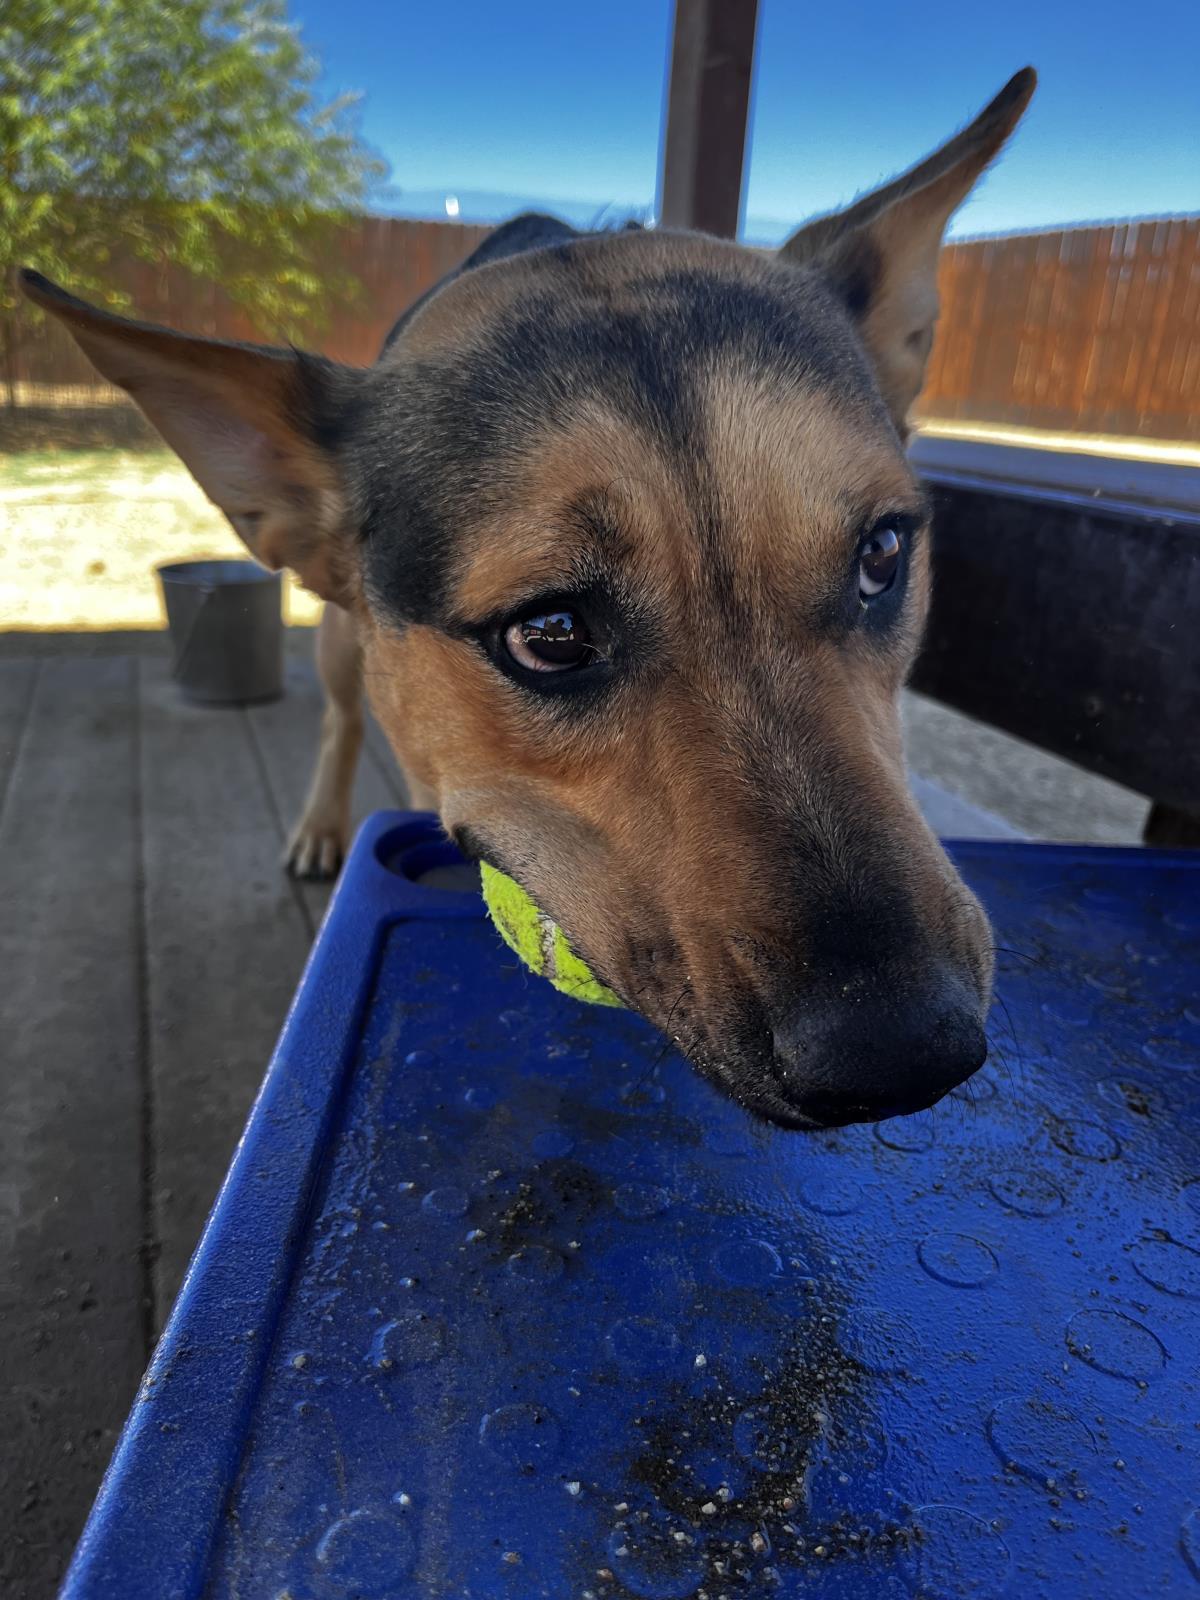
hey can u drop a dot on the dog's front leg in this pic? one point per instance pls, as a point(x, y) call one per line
point(318, 841)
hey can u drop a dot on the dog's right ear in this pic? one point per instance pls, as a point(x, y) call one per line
point(254, 426)
point(880, 255)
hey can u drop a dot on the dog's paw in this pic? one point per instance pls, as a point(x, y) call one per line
point(315, 850)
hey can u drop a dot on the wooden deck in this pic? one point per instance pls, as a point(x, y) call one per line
point(149, 945)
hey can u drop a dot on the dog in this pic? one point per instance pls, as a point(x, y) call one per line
point(620, 535)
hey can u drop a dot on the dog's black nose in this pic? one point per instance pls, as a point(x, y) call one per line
point(863, 1048)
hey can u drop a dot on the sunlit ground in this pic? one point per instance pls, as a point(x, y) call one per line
point(1164, 452)
point(81, 531)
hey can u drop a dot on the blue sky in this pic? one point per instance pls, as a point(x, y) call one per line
point(507, 103)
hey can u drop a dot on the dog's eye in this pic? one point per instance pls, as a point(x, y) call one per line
point(878, 563)
point(551, 641)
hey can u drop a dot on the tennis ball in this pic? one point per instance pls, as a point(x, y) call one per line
point(540, 943)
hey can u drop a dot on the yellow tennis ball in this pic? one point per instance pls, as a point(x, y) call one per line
point(540, 942)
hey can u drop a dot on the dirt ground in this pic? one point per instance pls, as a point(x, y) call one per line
point(82, 531)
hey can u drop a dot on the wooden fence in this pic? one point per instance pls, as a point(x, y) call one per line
point(1092, 330)
point(395, 261)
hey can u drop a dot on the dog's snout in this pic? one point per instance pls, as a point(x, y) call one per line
point(863, 1050)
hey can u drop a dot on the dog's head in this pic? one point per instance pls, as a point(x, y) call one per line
point(641, 567)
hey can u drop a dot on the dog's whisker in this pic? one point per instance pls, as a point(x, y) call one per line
point(1012, 1028)
point(668, 1043)
point(1015, 1089)
point(1022, 955)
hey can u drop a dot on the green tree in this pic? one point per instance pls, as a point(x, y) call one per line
point(177, 131)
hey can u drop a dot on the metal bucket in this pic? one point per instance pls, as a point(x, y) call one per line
point(226, 624)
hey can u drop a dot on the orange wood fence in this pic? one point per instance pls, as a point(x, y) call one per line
point(1094, 330)
point(1091, 330)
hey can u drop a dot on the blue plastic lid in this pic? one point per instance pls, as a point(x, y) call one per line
point(501, 1300)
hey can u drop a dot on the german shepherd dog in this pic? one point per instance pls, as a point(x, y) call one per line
point(620, 534)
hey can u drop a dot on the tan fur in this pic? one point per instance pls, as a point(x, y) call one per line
point(744, 788)
point(318, 841)
point(521, 546)
point(648, 812)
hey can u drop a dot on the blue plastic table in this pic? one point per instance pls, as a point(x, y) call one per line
point(501, 1300)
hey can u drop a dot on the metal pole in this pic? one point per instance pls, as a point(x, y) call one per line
point(712, 63)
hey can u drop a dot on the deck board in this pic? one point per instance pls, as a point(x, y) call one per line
point(71, 1103)
point(18, 680)
point(227, 935)
point(151, 945)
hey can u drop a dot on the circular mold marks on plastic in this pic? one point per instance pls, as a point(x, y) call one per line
point(364, 1553)
point(445, 1202)
point(1134, 1095)
point(413, 1339)
point(1087, 1141)
point(645, 1346)
point(657, 1556)
point(638, 1201)
point(1190, 1195)
point(748, 1263)
point(1068, 1012)
point(830, 1193)
point(1173, 1051)
point(1113, 1343)
point(976, 1090)
point(772, 1436)
point(1189, 1542)
point(551, 1144)
point(957, 1260)
point(911, 1135)
point(537, 1265)
point(1166, 1264)
point(525, 1436)
point(956, 1553)
point(880, 1342)
point(1030, 1194)
point(1040, 1439)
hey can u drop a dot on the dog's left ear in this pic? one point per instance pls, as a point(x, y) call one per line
point(253, 425)
point(880, 254)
